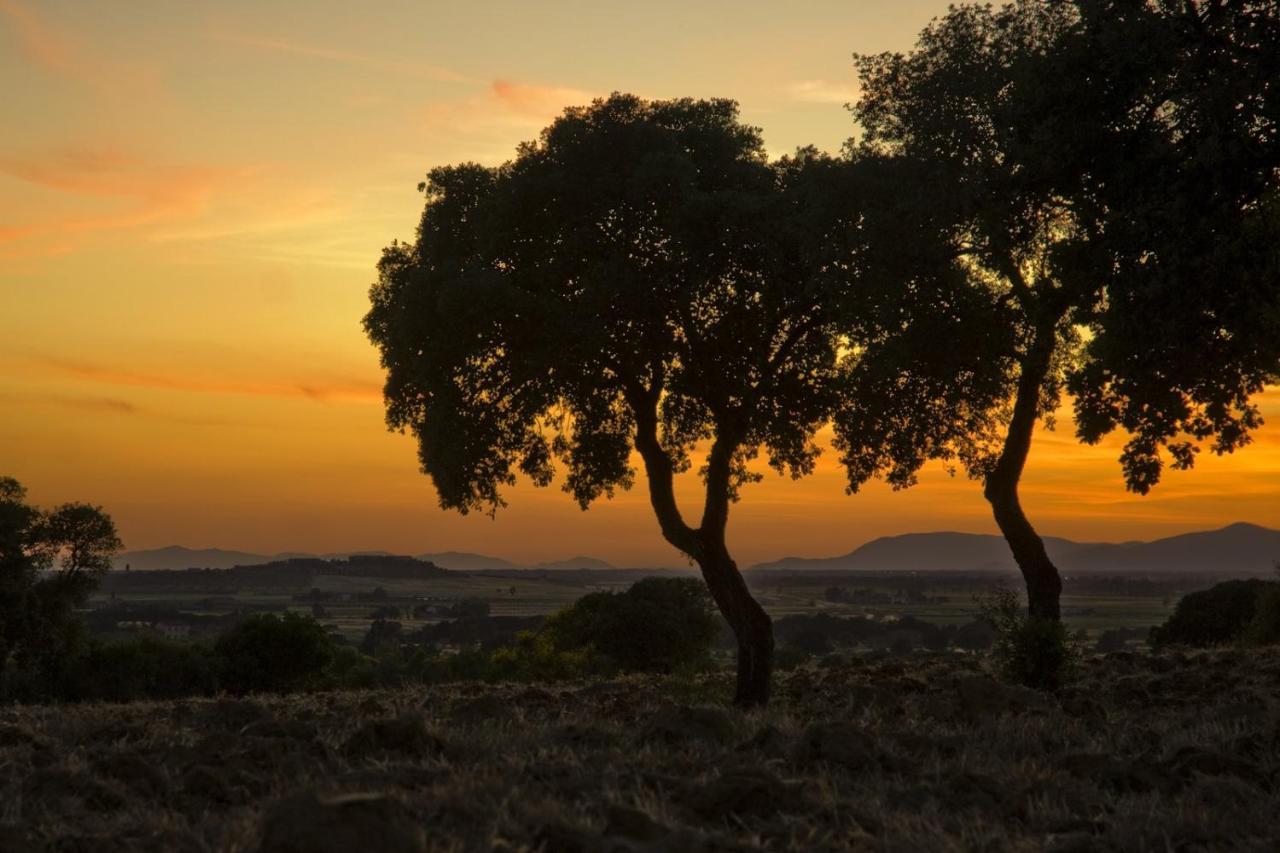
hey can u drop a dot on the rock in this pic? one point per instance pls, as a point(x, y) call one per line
point(286, 729)
point(1191, 760)
point(482, 709)
point(982, 696)
point(838, 743)
point(750, 792)
point(1106, 771)
point(685, 723)
point(15, 735)
point(214, 784)
point(234, 714)
point(306, 823)
point(1073, 842)
point(13, 839)
point(141, 776)
point(54, 791)
point(406, 736)
point(627, 822)
point(769, 741)
point(583, 736)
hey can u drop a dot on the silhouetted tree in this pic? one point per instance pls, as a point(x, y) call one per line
point(656, 625)
point(49, 564)
point(1188, 205)
point(1067, 158)
point(640, 279)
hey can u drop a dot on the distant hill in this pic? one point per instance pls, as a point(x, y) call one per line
point(1247, 549)
point(1238, 549)
point(464, 561)
point(177, 557)
point(576, 563)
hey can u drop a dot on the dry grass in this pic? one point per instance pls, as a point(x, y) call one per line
point(1145, 753)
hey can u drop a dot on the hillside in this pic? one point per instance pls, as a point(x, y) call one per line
point(1238, 549)
point(922, 753)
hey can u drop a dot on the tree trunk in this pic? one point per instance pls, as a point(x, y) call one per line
point(750, 623)
point(1044, 584)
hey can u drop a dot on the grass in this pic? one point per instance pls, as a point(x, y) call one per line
point(1146, 752)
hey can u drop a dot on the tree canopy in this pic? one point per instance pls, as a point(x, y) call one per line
point(49, 564)
point(640, 279)
point(1105, 174)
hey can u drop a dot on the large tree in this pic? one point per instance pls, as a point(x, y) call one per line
point(640, 280)
point(1104, 171)
point(49, 564)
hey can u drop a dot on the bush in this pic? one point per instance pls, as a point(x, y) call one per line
point(267, 653)
point(657, 625)
point(1264, 628)
point(1216, 616)
point(1033, 652)
point(142, 668)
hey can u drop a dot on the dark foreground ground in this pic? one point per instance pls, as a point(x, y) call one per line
point(1144, 753)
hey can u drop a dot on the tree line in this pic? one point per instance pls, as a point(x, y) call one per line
point(1043, 198)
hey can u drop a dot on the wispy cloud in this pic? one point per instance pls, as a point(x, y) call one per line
point(148, 191)
point(68, 57)
point(347, 57)
point(319, 389)
point(823, 92)
point(109, 405)
point(492, 121)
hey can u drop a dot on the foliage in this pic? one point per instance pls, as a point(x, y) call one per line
point(1220, 615)
point(49, 564)
point(1264, 628)
point(274, 653)
point(1033, 652)
point(638, 280)
point(656, 625)
point(137, 669)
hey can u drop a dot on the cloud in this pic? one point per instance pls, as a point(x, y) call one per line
point(535, 101)
point(150, 191)
point(346, 57)
point(334, 390)
point(823, 92)
point(492, 121)
point(67, 57)
point(93, 404)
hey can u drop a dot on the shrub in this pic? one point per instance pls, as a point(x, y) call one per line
point(534, 657)
point(142, 668)
point(1264, 628)
point(269, 653)
point(1216, 616)
point(657, 625)
point(1033, 652)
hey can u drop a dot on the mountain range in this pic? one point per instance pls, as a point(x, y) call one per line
point(178, 557)
point(1238, 549)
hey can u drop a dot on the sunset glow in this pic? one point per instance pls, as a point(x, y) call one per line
point(192, 201)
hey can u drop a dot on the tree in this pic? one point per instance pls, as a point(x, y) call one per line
point(639, 280)
point(1064, 153)
point(269, 653)
point(1189, 331)
point(49, 564)
point(656, 625)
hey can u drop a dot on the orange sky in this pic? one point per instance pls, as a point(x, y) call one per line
point(192, 201)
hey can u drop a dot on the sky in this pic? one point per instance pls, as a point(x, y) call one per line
point(192, 201)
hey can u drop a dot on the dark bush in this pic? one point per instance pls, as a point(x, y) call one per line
point(142, 668)
point(1216, 616)
point(658, 625)
point(1264, 628)
point(1038, 653)
point(274, 654)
